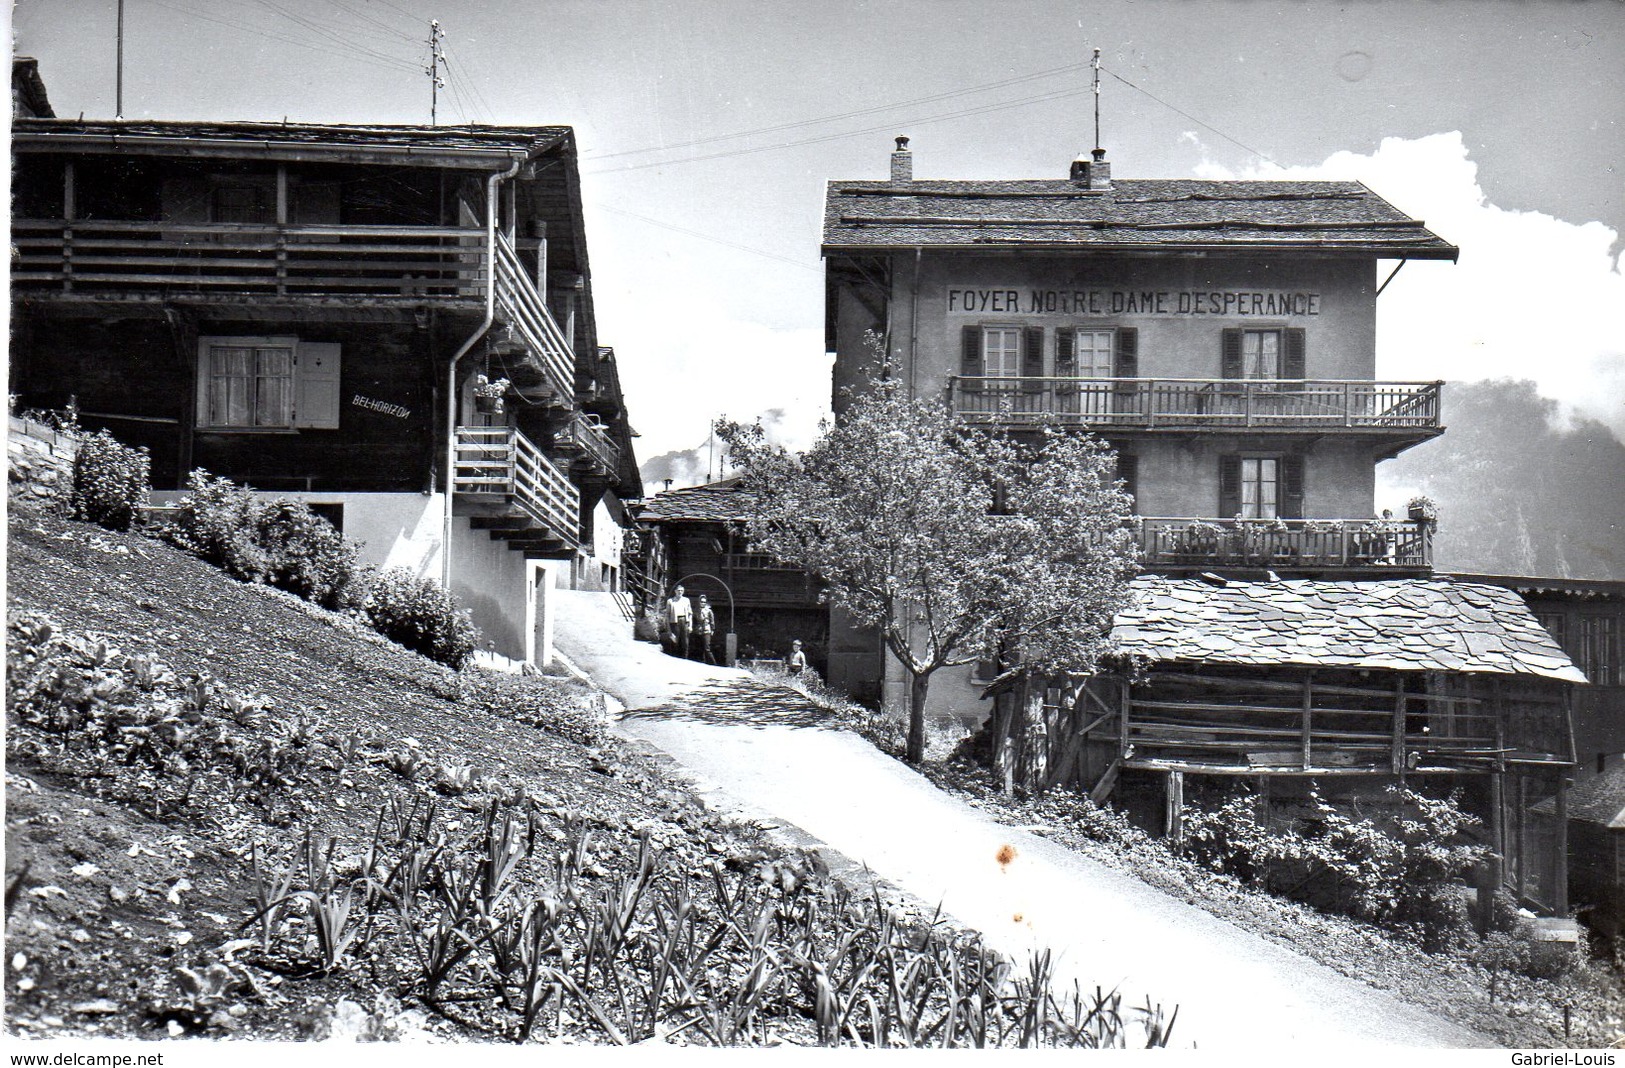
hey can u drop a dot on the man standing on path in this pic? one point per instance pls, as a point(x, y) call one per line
point(679, 622)
point(705, 625)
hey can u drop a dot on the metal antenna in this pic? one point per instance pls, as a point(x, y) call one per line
point(437, 60)
point(1097, 97)
point(118, 84)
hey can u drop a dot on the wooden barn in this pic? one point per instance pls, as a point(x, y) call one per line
point(1351, 685)
point(696, 537)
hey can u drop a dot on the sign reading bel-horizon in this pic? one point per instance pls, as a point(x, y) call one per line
point(1274, 303)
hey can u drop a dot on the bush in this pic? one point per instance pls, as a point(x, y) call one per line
point(580, 717)
point(306, 556)
point(1399, 869)
point(281, 543)
point(216, 521)
point(110, 481)
point(419, 614)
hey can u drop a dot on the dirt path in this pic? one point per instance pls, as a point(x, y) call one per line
point(771, 753)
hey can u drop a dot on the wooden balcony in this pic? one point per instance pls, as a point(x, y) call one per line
point(1218, 404)
point(588, 444)
point(1178, 720)
point(406, 265)
point(511, 489)
point(1313, 545)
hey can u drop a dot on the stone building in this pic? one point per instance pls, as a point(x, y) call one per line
point(1221, 337)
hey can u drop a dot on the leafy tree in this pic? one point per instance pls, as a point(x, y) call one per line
point(955, 545)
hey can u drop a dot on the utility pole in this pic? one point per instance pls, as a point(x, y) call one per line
point(1097, 97)
point(118, 83)
point(437, 60)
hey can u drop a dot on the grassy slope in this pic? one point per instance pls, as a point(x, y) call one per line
point(162, 885)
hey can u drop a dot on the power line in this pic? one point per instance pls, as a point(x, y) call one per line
point(269, 35)
point(318, 28)
point(984, 109)
point(707, 237)
point(876, 109)
point(382, 26)
point(463, 87)
point(1189, 116)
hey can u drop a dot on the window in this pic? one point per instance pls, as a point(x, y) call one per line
point(1600, 650)
point(1261, 487)
point(267, 383)
point(1260, 354)
point(1001, 351)
point(1263, 354)
point(1258, 487)
point(1094, 354)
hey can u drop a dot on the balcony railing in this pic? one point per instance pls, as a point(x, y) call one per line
point(1289, 544)
point(407, 262)
point(522, 307)
point(1246, 403)
point(503, 471)
point(590, 443)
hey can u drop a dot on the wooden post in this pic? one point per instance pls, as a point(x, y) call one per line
point(1523, 839)
point(281, 224)
point(1174, 818)
point(1560, 848)
point(1125, 701)
point(69, 211)
point(1399, 726)
point(1308, 705)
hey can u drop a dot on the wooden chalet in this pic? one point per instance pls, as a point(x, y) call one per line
point(696, 537)
point(318, 311)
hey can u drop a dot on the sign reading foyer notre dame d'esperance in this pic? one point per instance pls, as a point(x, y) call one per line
point(1274, 302)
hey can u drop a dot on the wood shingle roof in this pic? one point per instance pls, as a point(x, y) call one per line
point(726, 501)
point(1173, 214)
point(1386, 624)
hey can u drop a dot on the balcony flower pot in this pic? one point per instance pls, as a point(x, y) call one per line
point(1422, 509)
point(488, 395)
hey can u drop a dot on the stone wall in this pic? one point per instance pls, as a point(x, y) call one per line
point(40, 463)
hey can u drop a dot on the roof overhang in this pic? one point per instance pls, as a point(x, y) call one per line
point(439, 147)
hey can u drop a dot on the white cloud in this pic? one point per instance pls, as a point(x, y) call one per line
point(1532, 297)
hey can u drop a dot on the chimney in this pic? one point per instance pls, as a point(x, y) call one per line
point(1093, 173)
point(902, 163)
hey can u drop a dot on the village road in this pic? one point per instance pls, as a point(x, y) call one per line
point(768, 753)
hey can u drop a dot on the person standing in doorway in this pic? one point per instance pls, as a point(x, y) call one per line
point(679, 622)
point(705, 625)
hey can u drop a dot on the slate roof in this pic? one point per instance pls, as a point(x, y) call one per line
point(1388, 624)
point(1173, 214)
point(38, 132)
point(1600, 800)
point(726, 501)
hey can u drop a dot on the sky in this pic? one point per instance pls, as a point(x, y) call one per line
point(707, 130)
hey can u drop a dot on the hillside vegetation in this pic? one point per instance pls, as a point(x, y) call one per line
point(230, 812)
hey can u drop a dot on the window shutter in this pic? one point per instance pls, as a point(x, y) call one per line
point(1066, 352)
point(1229, 485)
point(316, 403)
point(1291, 499)
point(1128, 472)
point(1230, 354)
point(1292, 360)
point(1032, 358)
point(970, 360)
point(1126, 353)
